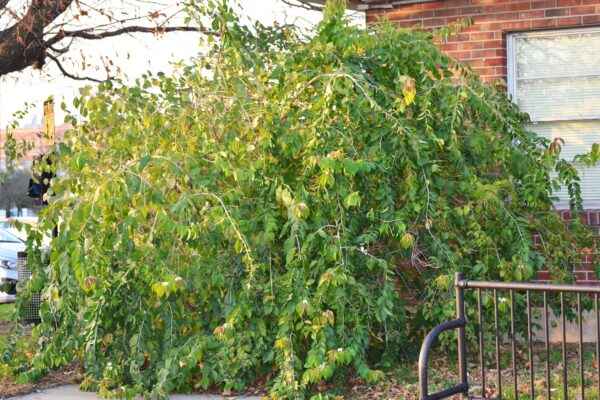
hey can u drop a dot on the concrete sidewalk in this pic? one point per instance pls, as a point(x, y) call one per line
point(71, 392)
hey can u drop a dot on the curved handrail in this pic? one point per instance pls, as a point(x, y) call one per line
point(424, 355)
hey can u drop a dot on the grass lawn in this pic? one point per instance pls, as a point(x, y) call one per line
point(5, 373)
point(5, 314)
point(6, 311)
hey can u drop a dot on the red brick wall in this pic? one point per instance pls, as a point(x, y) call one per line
point(483, 44)
point(584, 272)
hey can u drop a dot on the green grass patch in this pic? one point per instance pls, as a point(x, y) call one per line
point(6, 312)
point(5, 372)
point(20, 357)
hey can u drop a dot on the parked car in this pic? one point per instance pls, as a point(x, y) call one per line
point(10, 245)
point(10, 225)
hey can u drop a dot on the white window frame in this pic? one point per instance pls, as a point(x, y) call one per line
point(511, 81)
point(511, 59)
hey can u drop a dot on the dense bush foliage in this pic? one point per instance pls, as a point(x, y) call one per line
point(254, 215)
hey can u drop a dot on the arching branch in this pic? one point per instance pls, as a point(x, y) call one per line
point(306, 4)
point(68, 74)
point(62, 50)
point(89, 34)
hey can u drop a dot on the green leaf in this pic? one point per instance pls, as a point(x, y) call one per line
point(352, 200)
point(143, 162)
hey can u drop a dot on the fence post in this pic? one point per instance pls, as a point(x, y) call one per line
point(462, 333)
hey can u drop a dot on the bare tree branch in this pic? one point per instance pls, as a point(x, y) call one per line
point(68, 74)
point(63, 50)
point(34, 35)
point(306, 4)
point(89, 34)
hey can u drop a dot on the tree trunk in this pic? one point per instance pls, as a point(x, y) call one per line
point(22, 44)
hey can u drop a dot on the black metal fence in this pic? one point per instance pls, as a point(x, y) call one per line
point(30, 314)
point(460, 324)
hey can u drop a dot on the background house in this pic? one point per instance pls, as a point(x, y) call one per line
point(14, 183)
point(32, 134)
point(546, 52)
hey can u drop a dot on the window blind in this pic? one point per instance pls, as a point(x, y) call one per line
point(555, 78)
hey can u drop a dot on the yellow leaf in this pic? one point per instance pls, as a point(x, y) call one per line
point(407, 240)
point(409, 91)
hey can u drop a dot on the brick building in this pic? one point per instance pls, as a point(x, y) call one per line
point(545, 52)
point(485, 44)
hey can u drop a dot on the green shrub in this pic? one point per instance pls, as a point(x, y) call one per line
point(254, 215)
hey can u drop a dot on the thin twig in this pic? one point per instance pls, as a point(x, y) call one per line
point(303, 4)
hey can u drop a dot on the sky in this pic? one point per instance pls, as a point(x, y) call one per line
point(133, 54)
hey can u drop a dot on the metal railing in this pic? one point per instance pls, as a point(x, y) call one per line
point(460, 324)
